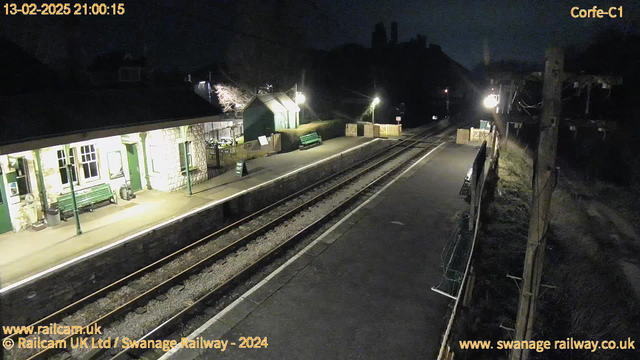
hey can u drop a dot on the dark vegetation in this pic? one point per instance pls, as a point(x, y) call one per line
point(328, 129)
point(593, 299)
point(595, 218)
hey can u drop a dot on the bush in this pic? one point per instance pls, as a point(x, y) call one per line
point(327, 129)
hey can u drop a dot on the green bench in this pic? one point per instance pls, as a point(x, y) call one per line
point(310, 140)
point(86, 197)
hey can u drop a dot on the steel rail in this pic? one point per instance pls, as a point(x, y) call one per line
point(53, 317)
point(165, 285)
point(218, 291)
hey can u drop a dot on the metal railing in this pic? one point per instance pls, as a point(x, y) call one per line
point(478, 181)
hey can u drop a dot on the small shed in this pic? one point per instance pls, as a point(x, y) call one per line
point(268, 113)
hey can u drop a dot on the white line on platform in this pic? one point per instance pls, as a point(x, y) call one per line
point(157, 226)
point(243, 297)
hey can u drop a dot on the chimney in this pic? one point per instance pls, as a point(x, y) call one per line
point(379, 36)
point(394, 33)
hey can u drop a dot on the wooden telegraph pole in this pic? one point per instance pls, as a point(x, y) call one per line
point(543, 184)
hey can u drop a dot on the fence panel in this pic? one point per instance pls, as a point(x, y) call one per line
point(226, 157)
point(462, 136)
point(351, 130)
point(390, 129)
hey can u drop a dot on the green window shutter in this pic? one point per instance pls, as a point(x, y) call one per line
point(181, 152)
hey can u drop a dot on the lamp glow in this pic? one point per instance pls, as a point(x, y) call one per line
point(300, 98)
point(376, 101)
point(491, 101)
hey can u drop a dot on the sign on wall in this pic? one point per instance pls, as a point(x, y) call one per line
point(13, 189)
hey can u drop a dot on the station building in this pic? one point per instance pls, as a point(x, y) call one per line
point(107, 136)
point(268, 113)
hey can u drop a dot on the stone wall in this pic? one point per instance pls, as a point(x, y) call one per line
point(38, 298)
point(164, 153)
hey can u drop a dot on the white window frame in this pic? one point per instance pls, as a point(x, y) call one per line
point(22, 163)
point(74, 163)
point(189, 155)
point(86, 159)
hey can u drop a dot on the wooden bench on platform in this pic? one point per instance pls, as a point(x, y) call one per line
point(86, 197)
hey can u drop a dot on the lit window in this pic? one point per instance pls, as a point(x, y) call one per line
point(181, 148)
point(89, 162)
point(62, 166)
point(22, 176)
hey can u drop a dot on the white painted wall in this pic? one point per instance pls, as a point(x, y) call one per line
point(162, 148)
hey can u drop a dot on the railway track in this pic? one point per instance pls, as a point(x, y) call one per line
point(220, 257)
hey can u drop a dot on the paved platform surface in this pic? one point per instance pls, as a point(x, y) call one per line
point(29, 252)
point(362, 291)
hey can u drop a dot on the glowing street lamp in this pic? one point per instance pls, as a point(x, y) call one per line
point(375, 102)
point(300, 98)
point(446, 92)
point(491, 101)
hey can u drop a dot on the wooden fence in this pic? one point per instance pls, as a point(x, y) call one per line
point(371, 131)
point(381, 130)
point(222, 159)
point(390, 130)
point(479, 135)
point(351, 130)
point(462, 136)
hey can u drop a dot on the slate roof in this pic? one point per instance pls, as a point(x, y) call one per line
point(31, 117)
point(114, 61)
point(276, 102)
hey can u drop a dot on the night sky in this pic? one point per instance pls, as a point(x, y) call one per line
point(513, 29)
point(191, 34)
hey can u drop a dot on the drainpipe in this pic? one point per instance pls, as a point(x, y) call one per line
point(73, 193)
point(185, 130)
point(143, 138)
point(43, 191)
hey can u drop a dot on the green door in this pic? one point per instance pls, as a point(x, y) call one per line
point(5, 217)
point(134, 167)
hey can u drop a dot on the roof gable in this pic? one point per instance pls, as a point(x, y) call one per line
point(275, 102)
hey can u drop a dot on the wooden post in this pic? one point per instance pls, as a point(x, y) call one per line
point(586, 108)
point(475, 182)
point(506, 140)
point(472, 187)
point(543, 180)
point(70, 169)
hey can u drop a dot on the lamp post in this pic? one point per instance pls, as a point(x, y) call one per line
point(300, 99)
point(446, 93)
point(73, 193)
point(375, 102)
